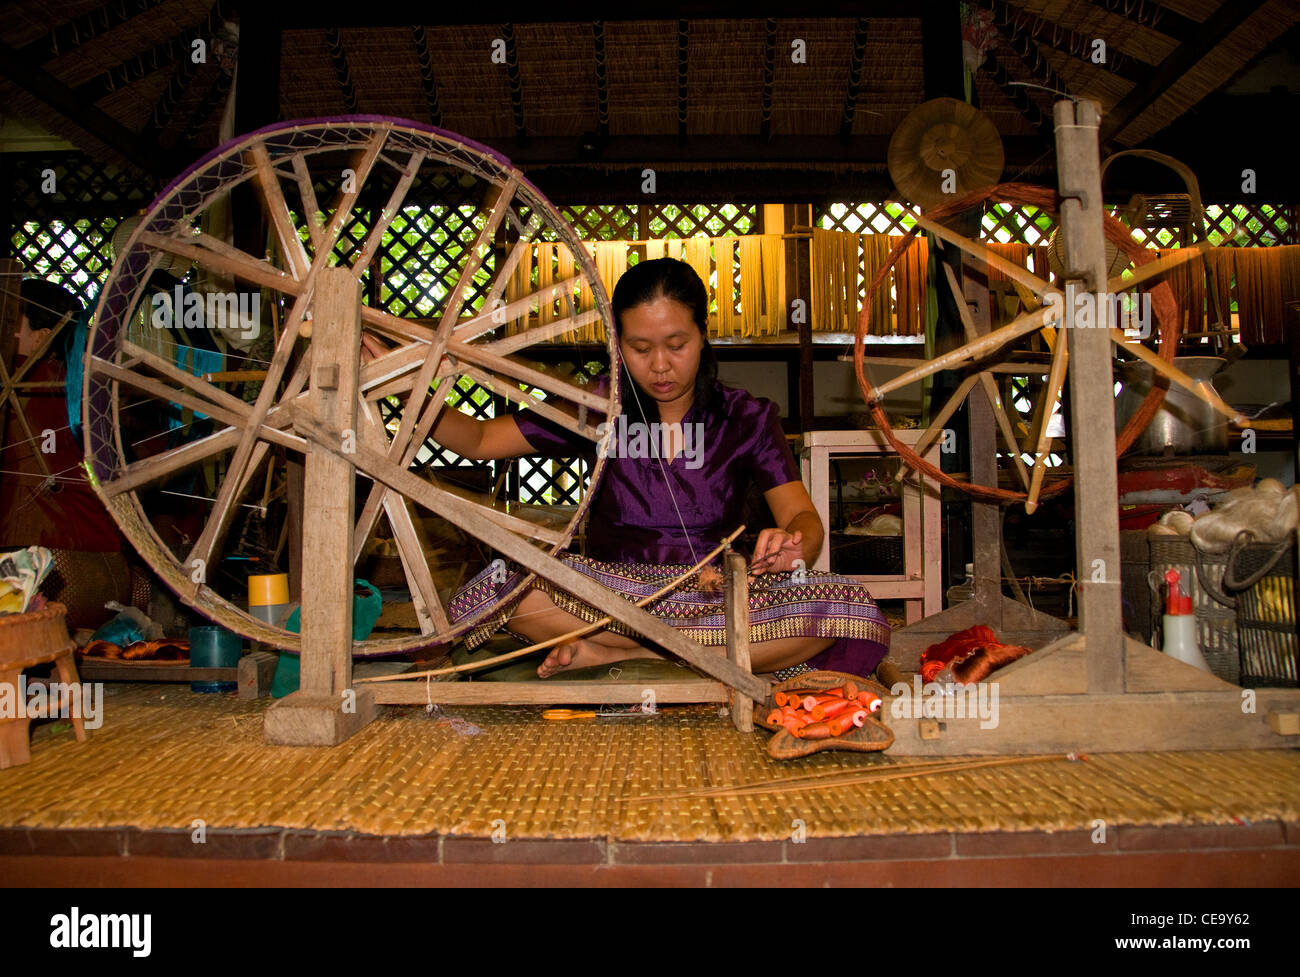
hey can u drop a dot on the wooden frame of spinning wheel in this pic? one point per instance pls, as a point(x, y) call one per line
point(325, 412)
point(1093, 689)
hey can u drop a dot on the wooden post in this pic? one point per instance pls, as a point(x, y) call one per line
point(326, 709)
point(736, 609)
point(1092, 397)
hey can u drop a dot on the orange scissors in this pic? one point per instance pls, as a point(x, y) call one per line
point(562, 715)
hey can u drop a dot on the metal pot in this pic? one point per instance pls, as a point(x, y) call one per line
point(1185, 424)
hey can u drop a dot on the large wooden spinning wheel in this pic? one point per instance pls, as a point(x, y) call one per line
point(313, 178)
point(984, 356)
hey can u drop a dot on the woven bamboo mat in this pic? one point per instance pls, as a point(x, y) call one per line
point(165, 756)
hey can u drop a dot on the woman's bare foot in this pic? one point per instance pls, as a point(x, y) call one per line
point(583, 654)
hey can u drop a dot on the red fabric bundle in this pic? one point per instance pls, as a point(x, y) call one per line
point(968, 655)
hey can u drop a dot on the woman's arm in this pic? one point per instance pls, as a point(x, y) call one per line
point(799, 533)
point(498, 437)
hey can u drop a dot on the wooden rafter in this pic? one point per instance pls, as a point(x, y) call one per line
point(27, 73)
point(1023, 28)
point(1153, 83)
point(683, 71)
point(1153, 15)
point(516, 84)
point(1019, 97)
point(602, 78)
point(427, 80)
point(177, 85)
point(73, 33)
point(855, 77)
point(176, 48)
point(769, 78)
point(342, 70)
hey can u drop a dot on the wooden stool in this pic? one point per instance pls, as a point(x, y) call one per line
point(27, 640)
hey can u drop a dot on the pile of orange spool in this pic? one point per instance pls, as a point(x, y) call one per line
point(823, 714)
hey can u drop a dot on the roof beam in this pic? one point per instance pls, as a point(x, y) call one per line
point(427, 79)
point(1019, 97)
point(1035, 62)
point(769, 78)
point(516, 84)
point(602, 79)
point(683, 68)
point(72, 34)
point(342, 70)
point(1209, 35)
point(27, 74)
point(1153, 15)
point(1025, 27)
point(855, 77)
point(176, 48)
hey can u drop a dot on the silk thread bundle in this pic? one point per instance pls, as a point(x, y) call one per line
point(751, 285)
point(545, 277)
point(724, 259)
point(520, 285)
point(910, 281)
point(773, 283)
point(654, 249)
point(875, 252)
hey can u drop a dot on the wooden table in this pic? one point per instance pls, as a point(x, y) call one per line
point(920, 585)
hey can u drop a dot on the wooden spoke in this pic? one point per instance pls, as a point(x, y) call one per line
point(488, 320)
point(986, 345)
point(148, 470)
point(1153, 269)
point(391, 209)
point(988, 255)
point(410, 546)
point(542, 334)
point(307, 194)
point(236, 264)
point(480, 356)
point(510, 390)
point(936, 427)
point(1047, 406)
point(986, 380)
point(513, 257)
point(1201, 388)
point(234, 418)
point(370, 511)
point(361, 168)
point(268, 183)
point(200, 386)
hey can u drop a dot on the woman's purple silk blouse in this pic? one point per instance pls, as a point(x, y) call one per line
point(635, 518)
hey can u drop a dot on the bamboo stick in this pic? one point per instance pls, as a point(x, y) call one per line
point(560, 639)
point(1055, 380)
point(982, 251)
point(850, 779)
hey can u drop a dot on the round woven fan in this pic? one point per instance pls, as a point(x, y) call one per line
point(939, 136)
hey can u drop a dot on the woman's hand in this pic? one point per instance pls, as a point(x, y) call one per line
point(776, 551)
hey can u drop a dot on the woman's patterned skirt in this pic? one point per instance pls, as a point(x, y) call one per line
point(781, 605)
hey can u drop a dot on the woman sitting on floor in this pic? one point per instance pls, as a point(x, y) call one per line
point(654, 517)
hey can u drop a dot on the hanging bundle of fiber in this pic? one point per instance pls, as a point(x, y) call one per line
point(1187, 282)
point(545, 277)
point(910, 283)
point(521, 284)
point(654, 249)
point(724, 259)
point(1260, 305)
point(752, 319)
point(774, 307)
point(875, 252)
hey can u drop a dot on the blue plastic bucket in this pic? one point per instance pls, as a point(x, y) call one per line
point(214, 647)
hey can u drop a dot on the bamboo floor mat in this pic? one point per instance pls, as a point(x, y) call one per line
point(165, 756)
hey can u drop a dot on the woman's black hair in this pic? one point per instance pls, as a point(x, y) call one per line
point(45, 303)
point(669, 278)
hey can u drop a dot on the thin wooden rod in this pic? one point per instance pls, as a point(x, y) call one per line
point(390, 211)
point(541, 334)
point(850, 779)
point(986, 254)
point(576, 633)
point(1198, 387)
point(1055, 380)
point(488, 320)
point(480, 356)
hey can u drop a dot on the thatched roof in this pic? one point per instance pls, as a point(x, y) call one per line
point(705, 93)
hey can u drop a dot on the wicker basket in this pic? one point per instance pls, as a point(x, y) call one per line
point(1216, 615)
point(1263, 578)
